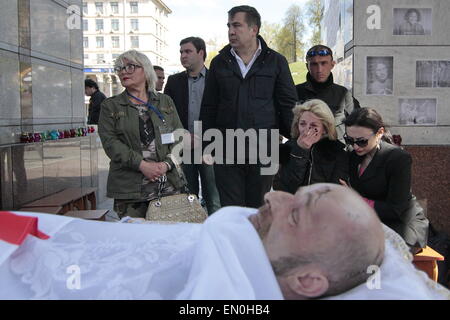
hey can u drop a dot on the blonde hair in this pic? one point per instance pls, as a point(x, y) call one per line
point(321, 110)
point(142, 60)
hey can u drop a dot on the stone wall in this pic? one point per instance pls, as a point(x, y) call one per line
point(414, 97)
point(42, 89)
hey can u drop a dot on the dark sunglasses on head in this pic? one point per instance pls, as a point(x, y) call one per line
point(324, 52)
point(359, 142)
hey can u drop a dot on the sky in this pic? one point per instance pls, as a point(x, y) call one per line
point(208, 19)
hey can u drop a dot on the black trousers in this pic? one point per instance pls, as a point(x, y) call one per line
point(242, 184)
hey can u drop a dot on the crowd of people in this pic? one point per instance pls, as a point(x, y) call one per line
point(342, 202)
point(330, 138)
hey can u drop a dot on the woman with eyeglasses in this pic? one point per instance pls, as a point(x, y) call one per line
point(381, 173)
point(136, 129)
point(313, 154)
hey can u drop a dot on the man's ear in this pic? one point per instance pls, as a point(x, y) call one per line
point(255, 29)
point(308, 283)
point(333, 63)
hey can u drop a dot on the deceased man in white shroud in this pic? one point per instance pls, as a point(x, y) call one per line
point(324, 242)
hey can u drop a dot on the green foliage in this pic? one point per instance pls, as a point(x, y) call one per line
point(314, 14)
point(269, 32)
point(290, 42)
point(209, 57)
point(298, 71)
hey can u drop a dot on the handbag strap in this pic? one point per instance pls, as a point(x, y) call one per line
point(162, 182)
point(182, 177)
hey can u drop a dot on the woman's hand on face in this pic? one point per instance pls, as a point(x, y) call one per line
point(308, 138)
point(153, 170)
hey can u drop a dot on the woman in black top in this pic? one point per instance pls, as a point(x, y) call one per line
point(313, 154)
point(381, 173)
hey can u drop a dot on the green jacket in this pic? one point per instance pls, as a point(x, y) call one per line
point(118, 128)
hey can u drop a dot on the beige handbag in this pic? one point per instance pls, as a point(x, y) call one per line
point(184, 207)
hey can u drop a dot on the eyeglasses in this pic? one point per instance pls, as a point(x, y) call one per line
point(360, 142)
point(324, 52)
point(129, 68)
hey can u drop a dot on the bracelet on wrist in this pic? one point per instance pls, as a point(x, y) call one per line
point(169, 167)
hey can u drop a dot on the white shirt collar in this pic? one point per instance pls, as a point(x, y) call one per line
point(246, 68)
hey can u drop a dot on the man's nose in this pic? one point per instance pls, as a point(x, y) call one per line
point(278, 200)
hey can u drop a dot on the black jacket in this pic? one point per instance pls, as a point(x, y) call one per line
point(262, 100)
point(326, 161)
point(387, 181)
point(94, 107)
point(338, 98)
point(177, 88)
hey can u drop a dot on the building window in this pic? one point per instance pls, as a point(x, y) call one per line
point(134, 7)
point(100, 58)
point(100, 42)
point(134, 41)
point(134, 24)
point(157, 29)
point(85, 25)
point(115, 42)
point(115, 24)
point(98, 24)
point(114, 7)
point(85, 8)
point(99, 7)
point(85, 42)
point(115, 56)
point(85, 56)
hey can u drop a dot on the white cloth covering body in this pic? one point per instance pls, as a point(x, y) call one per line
point(221, 259)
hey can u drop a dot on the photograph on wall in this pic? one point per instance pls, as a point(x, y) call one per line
point(417, 111)
point(433, 74)
point(412, 21)
point(379, 75)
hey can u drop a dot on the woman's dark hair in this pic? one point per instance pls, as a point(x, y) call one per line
point(368, 118)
